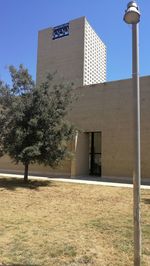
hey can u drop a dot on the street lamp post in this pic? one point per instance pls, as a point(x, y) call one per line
point(132, 16)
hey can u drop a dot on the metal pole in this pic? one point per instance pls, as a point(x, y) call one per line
point(137, 159)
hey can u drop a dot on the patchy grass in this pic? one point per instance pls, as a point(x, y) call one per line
point(48, 223)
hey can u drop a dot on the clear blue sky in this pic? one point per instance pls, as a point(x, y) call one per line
point(20, 21)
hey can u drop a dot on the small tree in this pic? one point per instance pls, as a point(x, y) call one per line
point(33, 125)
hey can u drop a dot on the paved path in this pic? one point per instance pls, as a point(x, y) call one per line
point(77, 181)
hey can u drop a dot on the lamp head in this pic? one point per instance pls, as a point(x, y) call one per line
point(132, 13)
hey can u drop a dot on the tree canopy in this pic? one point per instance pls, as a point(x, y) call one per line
point(33, 125)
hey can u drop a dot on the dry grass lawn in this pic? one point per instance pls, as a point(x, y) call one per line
point(50, 223)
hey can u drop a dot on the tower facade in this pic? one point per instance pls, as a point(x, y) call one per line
point(73, 51)
point(94, 57)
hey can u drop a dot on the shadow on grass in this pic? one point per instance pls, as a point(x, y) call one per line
point(146, 201)
point(19, 265)
point(13, 183)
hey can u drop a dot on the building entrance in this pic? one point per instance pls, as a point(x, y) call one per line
point(95, 153)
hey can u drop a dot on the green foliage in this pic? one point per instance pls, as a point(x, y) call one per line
point(33, 119)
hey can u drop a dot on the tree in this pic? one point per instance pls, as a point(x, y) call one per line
point(33, 125)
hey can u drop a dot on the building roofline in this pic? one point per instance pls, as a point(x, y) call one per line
point(110, 82)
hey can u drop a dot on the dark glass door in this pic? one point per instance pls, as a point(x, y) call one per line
point(95, 153)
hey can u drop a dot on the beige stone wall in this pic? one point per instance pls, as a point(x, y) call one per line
point(80, 161)
point(108, 108)
point(64, 55)
point(64, 170)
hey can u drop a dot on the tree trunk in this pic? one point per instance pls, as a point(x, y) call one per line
point(26, 173)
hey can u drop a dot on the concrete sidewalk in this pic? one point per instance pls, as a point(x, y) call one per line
point(98, 182)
